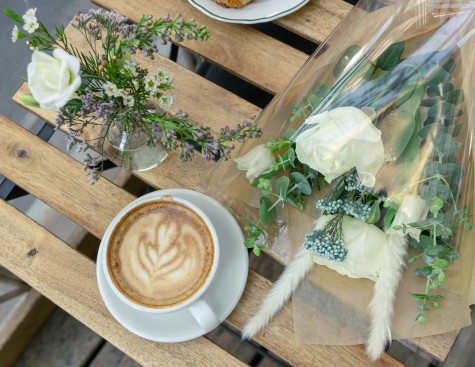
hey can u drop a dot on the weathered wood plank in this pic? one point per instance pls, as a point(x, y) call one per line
point(278, 335)
point(244, 51)
point(436, 346)
point(316, 20)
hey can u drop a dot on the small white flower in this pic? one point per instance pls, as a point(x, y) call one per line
point(151, 85)
point(131, 67)
point(110, 89)
point(162, 77)
point(256, 162)
point(128, 101)
point(165, 101)
point(15, 33)
point(31, 25)
point(30, 13)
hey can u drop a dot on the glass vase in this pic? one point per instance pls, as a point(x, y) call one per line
point(131, 150)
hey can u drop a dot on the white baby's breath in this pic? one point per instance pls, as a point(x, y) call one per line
point(165, 101)
point(131, 67)
point(110, 89)
point(128, 101)
point(30, 14)
point(151, 85)
point(15, 32)
point(31, 25)
point(162, 77)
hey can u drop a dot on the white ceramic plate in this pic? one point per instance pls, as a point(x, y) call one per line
point(223, 294)
point(257, 11)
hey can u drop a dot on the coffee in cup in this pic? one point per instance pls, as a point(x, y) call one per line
point(160, 254)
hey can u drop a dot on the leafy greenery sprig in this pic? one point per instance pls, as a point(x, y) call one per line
point(295, 181)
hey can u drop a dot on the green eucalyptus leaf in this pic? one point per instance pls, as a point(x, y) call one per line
point(266, 215)
point(313, 101)
point(359, 68)
point(449, 65)
point(438, 75)
point(421, 318)
point(454, 129)
point(435, 188)
point(431, 101)
point(440, 264)
point(320, 90)
point(455, 96)
point(424, 271)
point(434, 250)
point(282, 185)
point(391, 56)
point(432, 130)
point(439, 90)
point(303, 185)
point(445, 143)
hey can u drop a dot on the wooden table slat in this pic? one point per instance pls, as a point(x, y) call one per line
point(278, 337)
point(316, 20)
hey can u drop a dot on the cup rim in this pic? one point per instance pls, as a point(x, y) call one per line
point(105, 244)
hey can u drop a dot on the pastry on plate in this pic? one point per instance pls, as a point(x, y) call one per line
point(232, 3)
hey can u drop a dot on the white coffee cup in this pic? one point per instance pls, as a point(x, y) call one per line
point(195, 304)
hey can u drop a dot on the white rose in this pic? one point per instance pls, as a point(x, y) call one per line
point(53, 80)
point(256, 162)
point(343, 138)
point(366, 245)
point(413, 209)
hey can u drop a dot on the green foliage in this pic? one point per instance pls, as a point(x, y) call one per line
point(391, 56)
point(29, 100)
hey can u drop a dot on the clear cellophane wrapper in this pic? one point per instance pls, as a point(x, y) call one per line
point(330, 308)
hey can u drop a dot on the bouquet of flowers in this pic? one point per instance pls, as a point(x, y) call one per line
point(98, 86)
point(371, 143)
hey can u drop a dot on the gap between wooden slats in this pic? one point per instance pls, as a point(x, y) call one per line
point(99, 204)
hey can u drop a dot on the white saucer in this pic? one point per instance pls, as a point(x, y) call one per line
point(223, 294)
point(257, 11)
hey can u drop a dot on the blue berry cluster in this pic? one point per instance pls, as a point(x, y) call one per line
point(352, 184)
point(354, 208)
point(357, 209)
point(322, 244)
point(330, 206)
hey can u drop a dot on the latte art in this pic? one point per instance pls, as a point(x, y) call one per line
point(160, 254)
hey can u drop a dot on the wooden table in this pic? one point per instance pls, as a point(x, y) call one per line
point(68, 278)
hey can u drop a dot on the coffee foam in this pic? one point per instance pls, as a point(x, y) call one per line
point(160, 254)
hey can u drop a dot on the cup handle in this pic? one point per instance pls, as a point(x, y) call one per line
point(204, 315)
